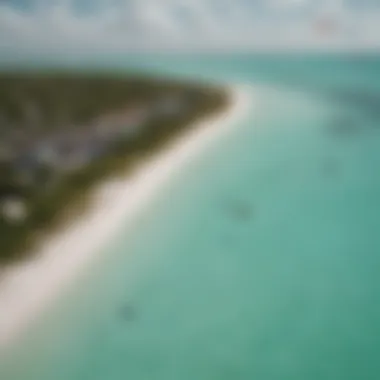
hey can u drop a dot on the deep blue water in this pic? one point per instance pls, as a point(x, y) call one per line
point(260, 261)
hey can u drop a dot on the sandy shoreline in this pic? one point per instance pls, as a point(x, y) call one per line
point(27, 289)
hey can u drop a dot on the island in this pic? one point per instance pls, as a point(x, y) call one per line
point(62, 133)
point(83, 156)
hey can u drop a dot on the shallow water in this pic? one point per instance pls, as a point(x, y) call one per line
point(260, 261)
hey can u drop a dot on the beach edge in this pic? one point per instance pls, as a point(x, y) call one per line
point(29, 288)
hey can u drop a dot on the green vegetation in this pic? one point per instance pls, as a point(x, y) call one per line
point(39, 104)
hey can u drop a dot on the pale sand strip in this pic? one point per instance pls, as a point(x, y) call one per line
point(29, 288)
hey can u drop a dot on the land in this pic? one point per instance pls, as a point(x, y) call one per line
point(73, 250)
point(61, 134)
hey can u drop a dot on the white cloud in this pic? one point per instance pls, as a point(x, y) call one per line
point(230, 23)
point(288, 4)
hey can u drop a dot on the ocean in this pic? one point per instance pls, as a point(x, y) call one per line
point(260, 260)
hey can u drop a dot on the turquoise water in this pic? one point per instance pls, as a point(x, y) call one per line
point(288, 288)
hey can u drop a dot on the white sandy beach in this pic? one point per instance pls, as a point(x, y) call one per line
point(26, 290)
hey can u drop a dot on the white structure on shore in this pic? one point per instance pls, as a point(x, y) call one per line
point(13, 209)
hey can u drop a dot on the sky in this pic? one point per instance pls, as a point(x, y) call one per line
point(190, 24)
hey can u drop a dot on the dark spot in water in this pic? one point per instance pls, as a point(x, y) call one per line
point(344, 126)
point(240, 211)
point(365, 101)
point(128, 313)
